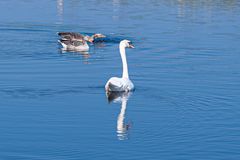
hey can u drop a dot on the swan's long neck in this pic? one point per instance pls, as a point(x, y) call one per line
point(124, 61)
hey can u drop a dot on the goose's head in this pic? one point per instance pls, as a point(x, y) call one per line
point(126, 43)
point(88, 38)
point(91, 38)
point(98, 35)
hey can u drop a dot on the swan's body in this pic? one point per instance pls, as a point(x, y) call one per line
point(123, 84)
point(75, 41)
point(116, 84)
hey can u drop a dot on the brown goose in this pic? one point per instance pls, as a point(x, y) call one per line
point(78, 36)
point(77, 41)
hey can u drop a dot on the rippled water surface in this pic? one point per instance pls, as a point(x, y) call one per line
point(185, 68)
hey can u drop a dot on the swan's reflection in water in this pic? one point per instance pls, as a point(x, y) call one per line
point(122, 127)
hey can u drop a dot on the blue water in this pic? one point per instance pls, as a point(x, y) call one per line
point(185, 67)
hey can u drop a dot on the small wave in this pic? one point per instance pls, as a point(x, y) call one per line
point(24, 92)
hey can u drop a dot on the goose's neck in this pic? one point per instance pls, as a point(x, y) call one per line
point(124, 61)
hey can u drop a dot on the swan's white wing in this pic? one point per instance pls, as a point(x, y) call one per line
point(119, 84)
point(114, 84)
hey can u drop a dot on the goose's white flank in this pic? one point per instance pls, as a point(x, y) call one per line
point(123, 84)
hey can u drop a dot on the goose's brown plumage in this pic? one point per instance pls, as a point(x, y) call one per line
point(76, 41)
point(71, 36)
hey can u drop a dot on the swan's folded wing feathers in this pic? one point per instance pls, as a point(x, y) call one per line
point(114, 84)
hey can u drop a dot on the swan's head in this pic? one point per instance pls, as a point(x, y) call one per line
point(126, 43)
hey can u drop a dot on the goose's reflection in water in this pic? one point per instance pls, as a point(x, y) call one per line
point(99, 44)
point(122, 127)
point(83, 55)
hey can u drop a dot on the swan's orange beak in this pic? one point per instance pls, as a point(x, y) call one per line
point(131, 46)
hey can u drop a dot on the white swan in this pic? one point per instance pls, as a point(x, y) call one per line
point(116, 84)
